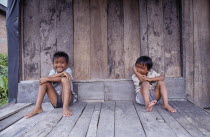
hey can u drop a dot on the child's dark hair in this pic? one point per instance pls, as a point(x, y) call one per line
point(61, 54)
point(146, 61)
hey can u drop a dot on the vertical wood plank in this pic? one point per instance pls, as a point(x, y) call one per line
point(187, 43)
point(106, 122)
point(82, 39)
point(127, 122)
point(31, 45)
point(47, 33)
point(64, 127)
point(143, 28)
point(201, 52)
point(64, 28)
point(172, 38)
point(98, 49)
point(194, 131)
point(155, 34)
point(81, 127)
point(131, 34)
point(153, 119)
point(176, 127)
point(93, 126)
point(115, 18)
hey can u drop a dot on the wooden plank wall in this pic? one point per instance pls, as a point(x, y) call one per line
point(196, 40)
point(102, 37)
point(44, 24)
point(134, 28)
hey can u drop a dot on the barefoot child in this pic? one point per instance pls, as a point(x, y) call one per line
point(149, 85)
point(58, 86)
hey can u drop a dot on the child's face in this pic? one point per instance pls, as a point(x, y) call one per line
point(142, 69)
point(60, 64)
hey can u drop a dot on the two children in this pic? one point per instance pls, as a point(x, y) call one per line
point(149, 85)
point(58, 86)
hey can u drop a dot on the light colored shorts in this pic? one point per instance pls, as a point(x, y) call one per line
point(140, 99)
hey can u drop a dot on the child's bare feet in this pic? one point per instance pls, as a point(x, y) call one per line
point(33, 112)
point(151, 105)
point(66, 112)
point(169, 108)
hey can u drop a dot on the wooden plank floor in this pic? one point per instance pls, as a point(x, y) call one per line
point(107, 119)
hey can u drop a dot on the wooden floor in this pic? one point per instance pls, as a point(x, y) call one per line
point(108, 119)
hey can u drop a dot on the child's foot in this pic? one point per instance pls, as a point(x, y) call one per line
point(66, 112)
point(151, 105)
point(169, 108)
point(33, 112)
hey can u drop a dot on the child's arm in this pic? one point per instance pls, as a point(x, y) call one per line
point(55, 78)
point(63, 74)
point(139, 76)
point(159, 78)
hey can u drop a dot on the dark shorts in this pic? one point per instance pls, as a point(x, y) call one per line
point(60, 103)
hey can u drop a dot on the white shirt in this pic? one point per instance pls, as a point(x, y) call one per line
point(137, 82)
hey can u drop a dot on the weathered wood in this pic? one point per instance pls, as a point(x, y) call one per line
point(116, 64)
point(175, 126)
point(201, 52)
point(13, 118)
point(185, 123)
point(119, 90)
point(197, 116)
point(31, 45)
point(131, 34)
point(10, 110)
point(21, 127)
point(172, 38)
point(98, 35)
point(106, 123)
point(153, 123)
point(64, 127)
point(64, 28)
point(81, 127)
point(143, 28)
point(155, 34)
point(93, 127)
point(43, 127)
point(91, 91)
point(47, 31)
point(127, 122)
point(187, 41)
point(82, 39)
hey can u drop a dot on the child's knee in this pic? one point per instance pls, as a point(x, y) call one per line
point(145, 84)
point(64, 80)
point(161, 83)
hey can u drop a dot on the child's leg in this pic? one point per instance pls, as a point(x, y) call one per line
point(161, 91)
point(66, 96)
point(146, 95)
point(43, 89)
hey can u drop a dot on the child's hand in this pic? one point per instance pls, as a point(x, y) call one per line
point(67, 75)
point(147, 79)
point(42, 80)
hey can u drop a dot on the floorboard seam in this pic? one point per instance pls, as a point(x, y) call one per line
point(165, 121)
point(78, 118)
point(185, 119)
point(193, 119)
point(139, 119)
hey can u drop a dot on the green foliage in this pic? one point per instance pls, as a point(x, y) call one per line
point(3, 78)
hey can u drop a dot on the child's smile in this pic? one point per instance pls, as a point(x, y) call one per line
point(60, 64)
